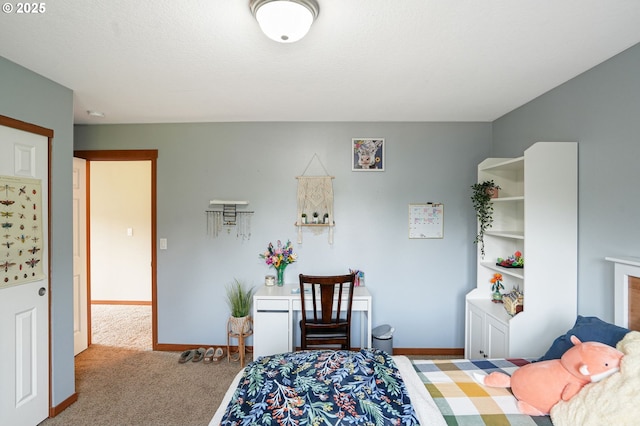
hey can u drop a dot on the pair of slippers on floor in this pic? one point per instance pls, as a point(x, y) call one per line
point(200, 354)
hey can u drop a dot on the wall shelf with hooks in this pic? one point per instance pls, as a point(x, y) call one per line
point(315, 224)
point(228, 216)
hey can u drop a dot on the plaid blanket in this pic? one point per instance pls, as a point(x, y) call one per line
point(464, 402)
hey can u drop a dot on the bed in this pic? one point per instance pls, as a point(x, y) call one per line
point(372, 387)
point(368, 387)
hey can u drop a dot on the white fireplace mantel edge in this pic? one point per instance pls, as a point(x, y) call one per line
point(624, 267)
point(633, 261)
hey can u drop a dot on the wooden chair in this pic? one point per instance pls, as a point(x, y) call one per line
point(326, 311)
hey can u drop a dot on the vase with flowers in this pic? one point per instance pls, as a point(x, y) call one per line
point(279, 257)
point(496, 286)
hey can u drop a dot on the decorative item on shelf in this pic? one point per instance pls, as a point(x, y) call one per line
point(304, 218)
point(315, 218)
point(325, 218)
point(514, 261)
point(359, 281)
point(483, 192)
point(239, 298)
point(493, 191)
point(496, 286)
point(513, 301)
point(279, 257)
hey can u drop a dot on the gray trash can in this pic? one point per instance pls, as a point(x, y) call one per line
point(382, 337)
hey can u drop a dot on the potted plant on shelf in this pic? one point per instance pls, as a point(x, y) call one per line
point(315, 217)
point(483, 192)
point(496, 286)
point(239, 299)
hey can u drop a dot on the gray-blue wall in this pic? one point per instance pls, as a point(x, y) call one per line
point(29, 97)
point(413, 281)
point(601, 110)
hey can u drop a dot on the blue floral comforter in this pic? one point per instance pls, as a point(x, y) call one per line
point(321, 387)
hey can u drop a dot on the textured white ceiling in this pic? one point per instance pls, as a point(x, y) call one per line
point(151, 61)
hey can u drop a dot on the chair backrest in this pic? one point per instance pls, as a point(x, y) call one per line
point(324, 298)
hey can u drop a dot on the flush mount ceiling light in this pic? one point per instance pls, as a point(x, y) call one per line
point(284, 21)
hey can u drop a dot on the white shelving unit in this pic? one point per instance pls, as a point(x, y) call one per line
point(535, 213)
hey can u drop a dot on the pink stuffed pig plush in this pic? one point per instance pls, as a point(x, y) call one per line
point(540, 385)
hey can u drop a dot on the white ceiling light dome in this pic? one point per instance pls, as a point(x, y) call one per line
point(285, 21)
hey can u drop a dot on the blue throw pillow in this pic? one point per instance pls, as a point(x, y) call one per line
point(587, 329)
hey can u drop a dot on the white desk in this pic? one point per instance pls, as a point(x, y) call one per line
point(275, 318)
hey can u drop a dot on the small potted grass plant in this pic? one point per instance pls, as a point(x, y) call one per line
point(239, 299)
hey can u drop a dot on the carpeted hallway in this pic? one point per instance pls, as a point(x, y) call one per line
point(122, 326)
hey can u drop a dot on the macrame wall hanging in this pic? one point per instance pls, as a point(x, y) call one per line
point(315, 201)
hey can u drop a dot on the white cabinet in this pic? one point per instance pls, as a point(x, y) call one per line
point(271, 323)
point(536, 214)
point(487, 335)
point(496, 339)
point(474, 347)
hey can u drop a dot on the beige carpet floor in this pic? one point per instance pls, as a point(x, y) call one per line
point(118, 385)
point(122, 326)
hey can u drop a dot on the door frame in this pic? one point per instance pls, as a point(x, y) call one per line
point(126, 155)
point(48, 133)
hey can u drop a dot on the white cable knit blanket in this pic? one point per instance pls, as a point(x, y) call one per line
point(612, 401)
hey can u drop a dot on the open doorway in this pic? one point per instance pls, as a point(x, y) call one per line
point(121, 241)
point(120, 224)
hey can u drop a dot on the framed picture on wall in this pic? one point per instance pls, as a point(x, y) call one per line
point(367, 154)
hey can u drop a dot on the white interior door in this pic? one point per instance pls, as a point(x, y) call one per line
point(24, 306)
point(80, 323)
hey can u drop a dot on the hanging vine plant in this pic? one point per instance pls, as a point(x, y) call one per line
point(482, 194)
